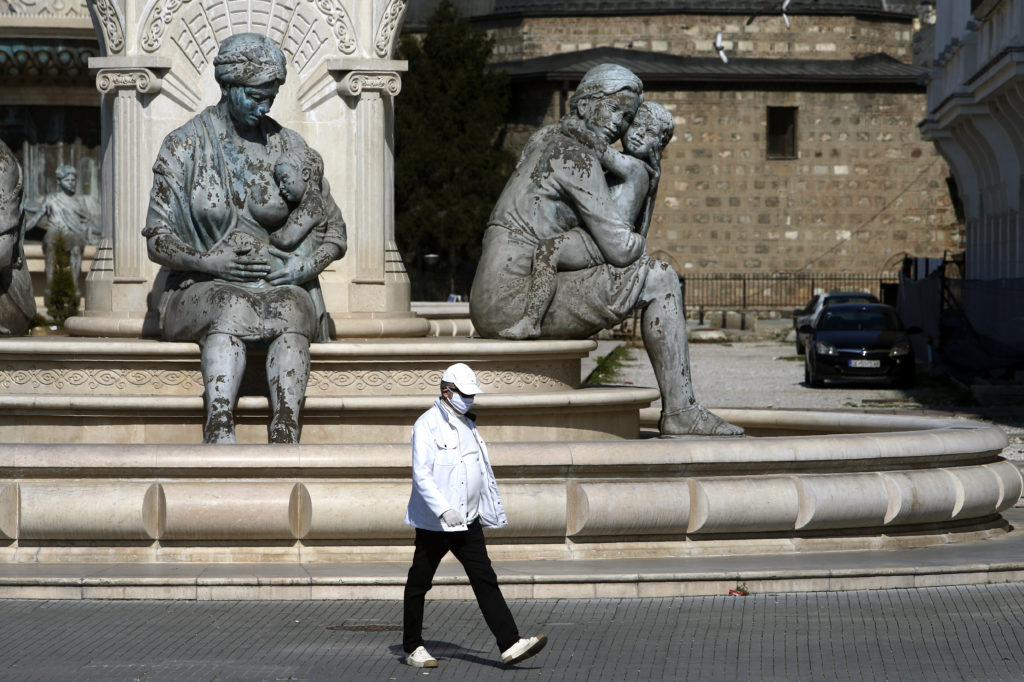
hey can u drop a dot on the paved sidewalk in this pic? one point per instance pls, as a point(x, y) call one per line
point(934, 634)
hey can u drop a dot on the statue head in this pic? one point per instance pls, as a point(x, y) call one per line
point(67, 178)
point(249, 67)
point(651, 130)
point(607, 99)
point(296, 169)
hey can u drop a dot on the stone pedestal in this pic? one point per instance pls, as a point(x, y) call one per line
point(157, 73)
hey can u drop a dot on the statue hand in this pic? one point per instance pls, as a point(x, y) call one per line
point(236, 264)
point(296, 269)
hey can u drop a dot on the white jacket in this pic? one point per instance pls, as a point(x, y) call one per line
point(438, 483)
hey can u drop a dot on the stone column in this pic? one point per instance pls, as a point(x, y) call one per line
point(378, 289)
point(120, 279)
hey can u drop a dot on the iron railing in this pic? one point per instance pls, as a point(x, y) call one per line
point(767, 291)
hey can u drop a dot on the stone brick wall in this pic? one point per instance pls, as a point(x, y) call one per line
point(817, 37)
point(864, 189)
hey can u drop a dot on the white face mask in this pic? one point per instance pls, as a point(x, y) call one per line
point(460, 404)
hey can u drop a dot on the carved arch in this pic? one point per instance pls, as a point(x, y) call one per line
point(197, 27)
point(108, 19)
point(388, 27)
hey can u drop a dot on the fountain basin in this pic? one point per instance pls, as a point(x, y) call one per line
point(862, 481)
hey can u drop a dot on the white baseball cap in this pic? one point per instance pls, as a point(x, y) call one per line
point(463, 377)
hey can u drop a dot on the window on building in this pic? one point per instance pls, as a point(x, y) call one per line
point(781, 132)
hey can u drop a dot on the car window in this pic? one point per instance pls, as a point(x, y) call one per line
point(866, 298)
point(810, 306)
point(859, 320)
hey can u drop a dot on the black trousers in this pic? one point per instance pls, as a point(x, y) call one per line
point(468, 547)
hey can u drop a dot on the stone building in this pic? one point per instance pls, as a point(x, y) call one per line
point(975, 117)
point(50, 106)
point(800, 154)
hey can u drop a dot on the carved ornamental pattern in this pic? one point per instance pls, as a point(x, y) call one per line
point(327, 380)
point(111, 23)
point(384, 43)
point(196, 27)
point(355, 82)
point(47, 8)
point(46, 62)
point(550, 377)
point(143, 80)
point(135, 381)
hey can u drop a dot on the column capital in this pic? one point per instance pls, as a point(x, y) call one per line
point(354, 75)
point(129, 73)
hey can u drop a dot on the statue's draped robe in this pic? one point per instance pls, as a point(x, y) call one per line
point(17, 304)
point(558, 185)
point(205, 195)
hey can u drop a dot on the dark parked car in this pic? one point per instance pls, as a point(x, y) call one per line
point(859, 342)
point(809, 313)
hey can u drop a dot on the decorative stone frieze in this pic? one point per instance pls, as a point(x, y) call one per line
point(46, 63)
point(387, 29)
point(110, 20)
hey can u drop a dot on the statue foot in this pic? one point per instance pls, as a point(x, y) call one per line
point(219, 428)
point(523, 329)
point(696, 421)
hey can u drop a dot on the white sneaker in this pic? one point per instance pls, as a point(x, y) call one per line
point(523, 649)
point(421, 659)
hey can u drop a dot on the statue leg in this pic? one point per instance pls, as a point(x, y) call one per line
point(287, 375)
point(223, 364)
point(663, 328)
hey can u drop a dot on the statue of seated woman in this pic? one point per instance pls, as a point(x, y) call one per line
point(560, 185)
point(213, 208)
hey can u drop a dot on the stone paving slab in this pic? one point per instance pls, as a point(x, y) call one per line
point(998, 560)
point(941, 633)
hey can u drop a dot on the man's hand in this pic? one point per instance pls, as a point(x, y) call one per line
point(452, 518)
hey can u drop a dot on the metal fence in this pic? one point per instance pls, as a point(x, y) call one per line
point(755, 291)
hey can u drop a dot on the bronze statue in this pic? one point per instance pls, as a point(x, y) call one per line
point(213, 209)
point(566, 180)
point(64, 214)
point(17, 306)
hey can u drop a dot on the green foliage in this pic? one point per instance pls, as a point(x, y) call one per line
point(608, 367)
point(63, 301)
point(450, 166)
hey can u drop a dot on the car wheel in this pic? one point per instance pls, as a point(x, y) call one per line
point(810, 377)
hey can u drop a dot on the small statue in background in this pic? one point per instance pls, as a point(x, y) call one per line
point(17, 306)
point(65, 214)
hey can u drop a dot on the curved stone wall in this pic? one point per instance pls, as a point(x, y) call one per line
point(875, 481)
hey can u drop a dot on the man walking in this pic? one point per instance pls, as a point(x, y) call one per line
point(454, 496)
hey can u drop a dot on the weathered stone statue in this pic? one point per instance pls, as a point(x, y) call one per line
point(17, 306)
point(565, 181)
point(213, 208)
point(64, 214)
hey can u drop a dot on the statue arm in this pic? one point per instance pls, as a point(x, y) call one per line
point(602, 216)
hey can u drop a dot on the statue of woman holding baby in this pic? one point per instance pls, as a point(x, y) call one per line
point(564, 254)
point(223, 184)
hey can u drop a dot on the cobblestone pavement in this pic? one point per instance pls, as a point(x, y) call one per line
point(955, 633)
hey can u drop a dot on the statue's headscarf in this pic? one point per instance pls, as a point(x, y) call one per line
point(606, 79)
point(249, 59)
